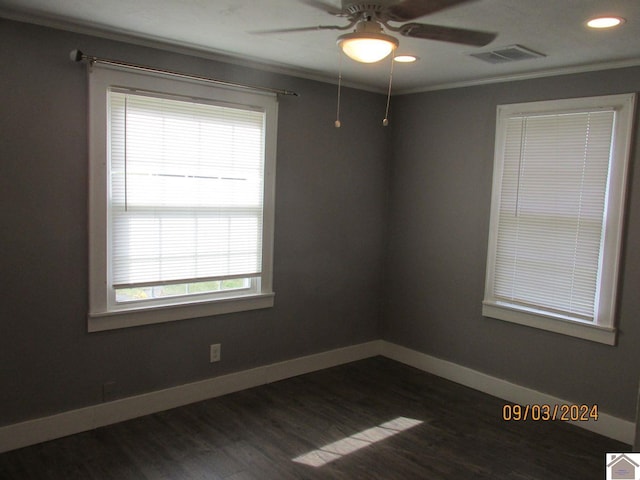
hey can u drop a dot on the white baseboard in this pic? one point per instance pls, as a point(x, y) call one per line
point(75, 421)
point(607, 425)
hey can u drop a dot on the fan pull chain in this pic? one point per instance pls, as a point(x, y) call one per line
point(337, 122)
point(385, 122)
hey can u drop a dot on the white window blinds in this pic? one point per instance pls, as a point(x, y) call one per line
point(551, 214)
point(186, 190)
point(557, 210)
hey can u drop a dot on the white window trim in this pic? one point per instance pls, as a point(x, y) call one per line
point(103, 317)
point(604, 331)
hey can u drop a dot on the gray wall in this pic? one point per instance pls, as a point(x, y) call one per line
point(439, 209)
point(329, 234)
point(344, 244)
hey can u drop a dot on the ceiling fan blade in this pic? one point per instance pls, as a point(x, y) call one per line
point(299, 29)
point(412, 9)
point(447, 34)
point(324, 6)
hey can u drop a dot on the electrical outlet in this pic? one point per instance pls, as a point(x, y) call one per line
point(214, 352)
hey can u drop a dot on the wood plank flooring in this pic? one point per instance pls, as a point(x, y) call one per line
point(373, 419)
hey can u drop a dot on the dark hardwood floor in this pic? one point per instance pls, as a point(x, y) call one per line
point(373, 419)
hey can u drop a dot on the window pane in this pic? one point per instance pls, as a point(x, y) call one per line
point(180, 289)
point(550, 223)
point(186, 190)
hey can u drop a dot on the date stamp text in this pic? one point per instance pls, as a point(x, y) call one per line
point(544, 412)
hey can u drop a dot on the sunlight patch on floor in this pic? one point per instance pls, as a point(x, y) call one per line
point(357, 441)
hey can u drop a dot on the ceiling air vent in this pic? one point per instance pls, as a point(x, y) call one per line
point(512, 53)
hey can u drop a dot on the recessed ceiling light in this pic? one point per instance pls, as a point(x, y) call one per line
point(605, 22)
point(405, 58)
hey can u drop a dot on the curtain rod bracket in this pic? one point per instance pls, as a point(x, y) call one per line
point(78, 56)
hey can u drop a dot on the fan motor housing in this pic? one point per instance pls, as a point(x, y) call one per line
point(355, 8)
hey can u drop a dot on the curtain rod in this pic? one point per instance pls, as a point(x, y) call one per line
point(78, 56)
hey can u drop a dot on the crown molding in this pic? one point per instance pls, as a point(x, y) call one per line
point(186, 48)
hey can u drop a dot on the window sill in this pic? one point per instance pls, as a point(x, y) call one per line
point(530, 318)
point(102, 321)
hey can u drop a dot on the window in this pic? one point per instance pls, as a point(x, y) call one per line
point(181, 199)
point(556, 214)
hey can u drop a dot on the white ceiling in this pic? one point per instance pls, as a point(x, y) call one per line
point(223, 28)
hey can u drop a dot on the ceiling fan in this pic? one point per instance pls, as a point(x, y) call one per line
point(369, 43)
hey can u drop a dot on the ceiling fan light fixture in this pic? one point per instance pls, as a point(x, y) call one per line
point(367, 47)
